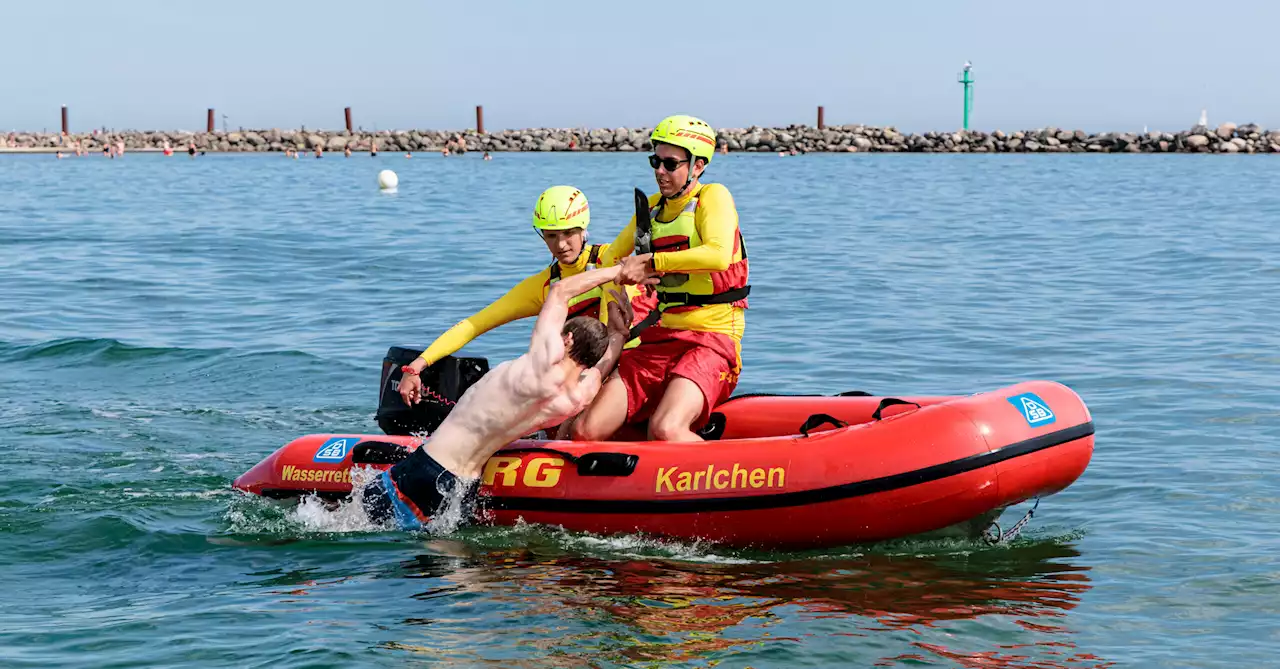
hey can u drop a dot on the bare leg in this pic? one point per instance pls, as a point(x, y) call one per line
point(681, 404)
point(605, 415)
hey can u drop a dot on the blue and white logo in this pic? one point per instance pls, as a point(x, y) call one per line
point(335, 449)
point(1034, 409)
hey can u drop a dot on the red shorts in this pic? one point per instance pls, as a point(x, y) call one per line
point(708, 359)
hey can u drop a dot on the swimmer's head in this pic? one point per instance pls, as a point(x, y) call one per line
point(585, 340)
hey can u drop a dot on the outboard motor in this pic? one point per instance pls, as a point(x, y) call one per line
point(443, 384)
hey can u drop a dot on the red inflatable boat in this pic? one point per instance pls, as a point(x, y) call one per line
point(778, 471)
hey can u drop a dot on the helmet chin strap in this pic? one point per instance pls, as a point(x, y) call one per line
point(585, 243)
point(689, 179)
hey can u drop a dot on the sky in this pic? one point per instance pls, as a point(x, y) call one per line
point(1098, 66)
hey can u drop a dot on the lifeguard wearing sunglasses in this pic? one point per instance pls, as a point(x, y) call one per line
point(690, 349)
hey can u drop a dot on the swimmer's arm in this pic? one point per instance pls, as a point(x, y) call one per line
point(610, 358)
point(522, 301)
point(630, 292)
point(620, 316)
point(546, 348)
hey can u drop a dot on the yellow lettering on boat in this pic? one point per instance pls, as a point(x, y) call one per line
point(714, 477)
point(535, 476)
point(505, 470)
point(295, 474)
point(664, 478)
point(503, 464)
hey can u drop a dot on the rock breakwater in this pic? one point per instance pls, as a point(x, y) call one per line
point(1226, 138)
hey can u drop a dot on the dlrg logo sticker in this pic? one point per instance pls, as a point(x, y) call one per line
point(1034, 409)
point(335, 449)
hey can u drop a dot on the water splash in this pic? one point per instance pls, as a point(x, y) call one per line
point(457, 508)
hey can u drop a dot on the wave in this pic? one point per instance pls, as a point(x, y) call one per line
point(107, 351)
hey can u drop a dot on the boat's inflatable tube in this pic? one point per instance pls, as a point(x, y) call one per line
point(781, 471)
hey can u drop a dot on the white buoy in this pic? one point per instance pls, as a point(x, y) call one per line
point(387, 180)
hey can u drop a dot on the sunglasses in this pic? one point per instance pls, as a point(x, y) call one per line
point(670, 164)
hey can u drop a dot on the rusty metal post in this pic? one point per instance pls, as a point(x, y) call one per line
point(479, 119)
point(64, 119)
point(210, 124)
point(822, 124)
point(347, 113)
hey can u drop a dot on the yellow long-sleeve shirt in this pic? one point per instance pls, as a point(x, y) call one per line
point(522, 301)
point(717, 222)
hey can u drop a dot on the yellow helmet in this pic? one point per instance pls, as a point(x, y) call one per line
point(561, 208)
point(689, 133)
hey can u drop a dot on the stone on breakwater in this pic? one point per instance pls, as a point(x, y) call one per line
point(1197, 141)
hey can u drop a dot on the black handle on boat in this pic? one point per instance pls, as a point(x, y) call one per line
point(888, 402)
point(819, 419)
point(378, 453)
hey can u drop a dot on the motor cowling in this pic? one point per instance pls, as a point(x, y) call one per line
point(443, 384)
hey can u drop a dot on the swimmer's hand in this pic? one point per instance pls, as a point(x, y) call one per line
point(620, 314)
point(411, 389)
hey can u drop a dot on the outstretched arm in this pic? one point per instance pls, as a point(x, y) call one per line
point(620, 317)
point(546, 348)
point(522, 301)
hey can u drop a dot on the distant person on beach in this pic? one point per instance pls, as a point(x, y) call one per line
point(560, 373)
point(373, 148)
point(487, 156)
point(690, 352)
point(445, 152)
point(319, 152)
point(107, 152)
point(408, 154)
point(120, 147)
point(59, 155)
point(724, 148)
point(191, 150)
point(346, 153)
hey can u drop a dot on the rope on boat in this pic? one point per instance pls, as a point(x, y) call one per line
point(992, 535)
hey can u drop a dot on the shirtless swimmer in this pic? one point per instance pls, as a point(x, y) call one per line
point(554, 381)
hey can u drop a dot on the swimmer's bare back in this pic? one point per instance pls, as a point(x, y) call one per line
point(539, 389)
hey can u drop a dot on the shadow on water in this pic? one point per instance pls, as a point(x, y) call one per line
point(655, 611)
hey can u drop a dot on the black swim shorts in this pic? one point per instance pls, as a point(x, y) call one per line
point(413, 490)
